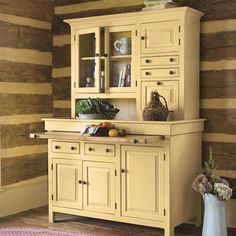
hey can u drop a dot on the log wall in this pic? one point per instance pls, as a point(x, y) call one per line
point(25, 87)
point(218, 68)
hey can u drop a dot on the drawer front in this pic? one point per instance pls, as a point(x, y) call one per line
point(160, 61)
point(99, 149)
point(168, 89)
point(160, 73)
point(65, 147)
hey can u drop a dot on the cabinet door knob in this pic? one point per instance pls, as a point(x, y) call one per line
point(105, 55)
point(147, 73)
point(80, 181)
point(90, 149)
point(57, 147)
point(171, 72)
point(147, 61)
point(96, 54)
point(159, 83)
point(73, 148)
point(122, 170)
point(142, 37)
point(84, 182)
point(107, 150)
point(172, 59)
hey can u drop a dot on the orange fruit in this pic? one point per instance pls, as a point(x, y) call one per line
point(113, 133)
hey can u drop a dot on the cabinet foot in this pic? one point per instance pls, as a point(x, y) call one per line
point(51, 217)
point(169, 231)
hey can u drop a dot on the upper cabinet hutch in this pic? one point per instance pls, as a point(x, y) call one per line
point(143, 178)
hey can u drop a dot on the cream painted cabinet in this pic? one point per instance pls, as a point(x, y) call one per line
point(66, 190)
point(99, 188)
point(159, 37)
point(142, 181)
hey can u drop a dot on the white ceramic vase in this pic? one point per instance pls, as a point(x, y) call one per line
point(214, 216)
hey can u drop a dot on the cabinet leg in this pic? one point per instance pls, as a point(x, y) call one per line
point(169, 231)
point(51, 217)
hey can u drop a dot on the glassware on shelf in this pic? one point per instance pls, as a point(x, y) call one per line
point(89, 82)
point(102, 82)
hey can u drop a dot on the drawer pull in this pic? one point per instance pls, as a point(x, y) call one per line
point(80, 181)
point(171, 72)
point(147, 61)
point(73, 148)
point(142, 37)
point(147, 73)
point(172, 59)
point(135, 141)
point(57, 147)
point(122, 170)
point(107, 150)
point(90, 149)
point(159, 83)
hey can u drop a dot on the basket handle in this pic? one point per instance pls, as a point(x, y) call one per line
point(165, 102)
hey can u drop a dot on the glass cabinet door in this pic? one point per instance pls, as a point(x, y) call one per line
point(121, 52)
point(87, 60)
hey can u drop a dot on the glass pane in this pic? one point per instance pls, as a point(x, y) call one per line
point(86, 73)
point(120, 43)
point(87, 43)
point(120, 73)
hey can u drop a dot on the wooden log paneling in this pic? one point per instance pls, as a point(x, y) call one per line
point(35, 9)
point(18, 135)
point(213, 9)
point(25, 104)
point(218, 40)
point(60, 28)
point(218, 84)
point(219, 120)
point(61, 56)
point(61, 112)
point(61, 88)
point(24, 72)
point(217, 54)
point(22, 168)
point(17, 36)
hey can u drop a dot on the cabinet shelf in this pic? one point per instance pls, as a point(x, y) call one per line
point(114, 58)
point(90, 58)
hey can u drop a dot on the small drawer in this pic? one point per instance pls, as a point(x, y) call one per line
point(99, 149)
point(160, 73)
point(160, 61)
point(65, 147)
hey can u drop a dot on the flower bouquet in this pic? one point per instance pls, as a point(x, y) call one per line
point(215, 191)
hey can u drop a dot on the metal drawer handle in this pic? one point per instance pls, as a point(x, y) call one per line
point(172, 59)
point(73, 148)
point(135, 141)
point(90, 149)
point(147, 61)
point(57, 147)
point(80, 181)
point(171, 72)
point(107, 150)
point(147, 73)
point(122, 170)
point(159, 83)
point(142, 37)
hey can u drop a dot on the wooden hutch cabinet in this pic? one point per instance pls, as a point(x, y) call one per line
point(143, 178)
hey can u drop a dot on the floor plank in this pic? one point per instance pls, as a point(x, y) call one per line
point(39, 218)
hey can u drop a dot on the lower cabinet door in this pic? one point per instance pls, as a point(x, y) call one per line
point(67, 191)
point(142, 181)
point(99, 190)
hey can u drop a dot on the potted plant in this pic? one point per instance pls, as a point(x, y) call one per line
point(215, 191)
point(95, 108)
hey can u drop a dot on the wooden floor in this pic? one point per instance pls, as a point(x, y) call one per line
point(39, 218)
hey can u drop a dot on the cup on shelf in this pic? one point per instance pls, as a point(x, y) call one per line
point(123, 46)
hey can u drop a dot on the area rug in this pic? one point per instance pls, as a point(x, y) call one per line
point(33, 231)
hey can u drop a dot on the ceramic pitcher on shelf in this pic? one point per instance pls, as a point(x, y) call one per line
point(123, 46)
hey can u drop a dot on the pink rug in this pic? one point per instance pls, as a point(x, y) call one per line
point(31, 231)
